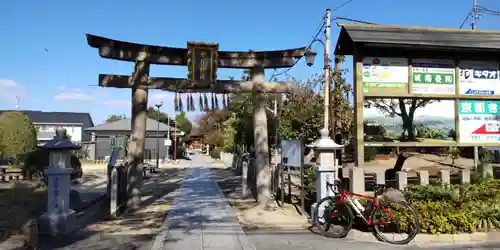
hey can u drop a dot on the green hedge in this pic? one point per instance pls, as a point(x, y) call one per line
point(456, 208)
point(446, 209)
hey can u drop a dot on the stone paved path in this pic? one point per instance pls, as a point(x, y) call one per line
point(201, 218)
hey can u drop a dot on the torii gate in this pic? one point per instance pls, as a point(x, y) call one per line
point(202, 59)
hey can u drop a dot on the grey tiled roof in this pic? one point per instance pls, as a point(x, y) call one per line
point(125, 125)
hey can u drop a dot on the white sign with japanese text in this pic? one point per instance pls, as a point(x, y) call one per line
point(433, 76)
point(479, 78)
point(479, 121)
point(385, 75)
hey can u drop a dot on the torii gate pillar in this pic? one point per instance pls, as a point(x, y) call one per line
point(260, 136)
point(137, 138)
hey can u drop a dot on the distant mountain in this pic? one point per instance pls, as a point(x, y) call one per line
point(394, 124)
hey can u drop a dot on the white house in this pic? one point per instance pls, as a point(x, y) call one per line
point(46, 124)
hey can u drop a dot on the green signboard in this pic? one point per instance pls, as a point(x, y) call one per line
point(433, 76)
point(385, 76)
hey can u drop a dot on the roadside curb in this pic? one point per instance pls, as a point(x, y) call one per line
point(427, 239)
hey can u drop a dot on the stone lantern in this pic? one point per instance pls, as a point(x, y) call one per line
point(326, 162)
point(59, 218)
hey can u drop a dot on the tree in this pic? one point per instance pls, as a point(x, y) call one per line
point(156, 115)
point(404, 108)
point(341, 108)
point(183, 123)
point(113, 118)
point(18, 135)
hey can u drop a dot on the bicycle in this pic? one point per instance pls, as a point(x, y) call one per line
point(339, 209)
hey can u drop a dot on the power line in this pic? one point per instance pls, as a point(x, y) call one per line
point(484, 10)
point(342, 5)
point(465, 20)
point(308, 47)
point(315, 37)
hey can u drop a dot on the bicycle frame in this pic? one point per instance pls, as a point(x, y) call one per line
point(367, 219)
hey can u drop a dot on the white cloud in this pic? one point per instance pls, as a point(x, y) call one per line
point(117, 103)
point(73, 96)
point(162, 96)
point(10, 90)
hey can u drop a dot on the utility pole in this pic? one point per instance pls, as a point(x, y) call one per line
point(474, 14)
point(169, 142)
point(328, 78)
point(158, 106)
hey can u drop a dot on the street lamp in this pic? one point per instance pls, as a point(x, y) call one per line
point(158, 106)
point(310, 56)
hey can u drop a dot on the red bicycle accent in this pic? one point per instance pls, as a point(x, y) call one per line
point(344, 196)
point(343, 207)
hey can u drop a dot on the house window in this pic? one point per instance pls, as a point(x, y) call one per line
point(47, 128)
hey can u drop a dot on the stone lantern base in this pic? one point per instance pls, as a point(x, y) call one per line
point(59, 218)
point(58, 223)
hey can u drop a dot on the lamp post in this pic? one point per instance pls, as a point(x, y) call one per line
point(168, 138)
point(158, 106)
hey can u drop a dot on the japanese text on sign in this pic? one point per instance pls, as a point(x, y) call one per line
point(202, 63)
point(478, 107)
point(479, 73)
point(433, 78)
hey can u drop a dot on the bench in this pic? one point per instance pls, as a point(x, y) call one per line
point(11, 173)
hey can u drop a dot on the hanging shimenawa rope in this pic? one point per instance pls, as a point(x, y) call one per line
point(176, 103)
point(205, 102)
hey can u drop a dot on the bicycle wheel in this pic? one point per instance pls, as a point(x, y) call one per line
point(332, 219)
point(397, 218)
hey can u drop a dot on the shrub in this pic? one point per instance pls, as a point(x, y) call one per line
point(18, 135)
point(38, 160)
point(370, 153)
point(456, 208)
point(215, 153)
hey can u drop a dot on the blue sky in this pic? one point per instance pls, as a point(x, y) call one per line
point(64, 78)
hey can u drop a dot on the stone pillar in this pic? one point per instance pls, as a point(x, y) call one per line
point(357, 180)
point(59, 219)
point(423, 177)
point(444, 175)
point(327, 171)
point(261, 142)
point(138, 136)
point(464, 176)
point(401, 180)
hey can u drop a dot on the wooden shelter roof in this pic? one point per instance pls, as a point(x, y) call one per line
point(127, 51)
point(388, 40)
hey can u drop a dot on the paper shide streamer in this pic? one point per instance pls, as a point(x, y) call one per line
point(176, 103)
point(205, 102)
point(181, 108)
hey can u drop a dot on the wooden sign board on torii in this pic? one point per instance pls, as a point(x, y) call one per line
point(203, 60)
